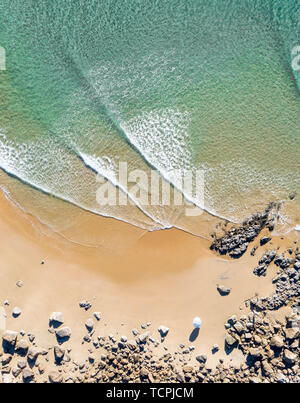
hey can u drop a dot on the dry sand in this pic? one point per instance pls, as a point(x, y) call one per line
point(165, 277)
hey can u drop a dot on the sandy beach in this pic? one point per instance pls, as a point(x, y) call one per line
point(163, 278)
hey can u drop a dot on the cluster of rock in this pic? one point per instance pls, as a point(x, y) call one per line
point(271, 351)
point(287, 285)
point(236, 240)
point(270, 347)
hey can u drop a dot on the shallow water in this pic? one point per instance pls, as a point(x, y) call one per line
point(167, 85)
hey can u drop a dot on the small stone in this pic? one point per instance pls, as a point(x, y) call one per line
point(215, 348)
point(33, 353)
point(85, 305)
point(89, 324)
point(276, 342)
point(255, 353)
point(10, 338)
point(16, 312)
point(97, 315)
point(55, 377)
point(291, 333)
point(6, 359)
point(223, 290)
point(229, 340)
point(264, 240)
point(232, 320)
point(27, 375)
point(123, 339)
point(289, 358)
point(163, 330)
point(20, 283)
point(202, 358)
point(63, 333)
point(56, 318)
point(22, 346)
point(58, 353)
point(143, 337)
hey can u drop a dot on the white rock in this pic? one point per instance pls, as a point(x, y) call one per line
point(97, 315)
point(163, 330)
point(64, 332)
point(197, 322)
point(16, 311)
point(57, 317)
point(89, 324)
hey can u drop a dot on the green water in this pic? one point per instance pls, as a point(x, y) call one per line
point(181, 84)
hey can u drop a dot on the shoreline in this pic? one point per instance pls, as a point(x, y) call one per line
point(163, 278)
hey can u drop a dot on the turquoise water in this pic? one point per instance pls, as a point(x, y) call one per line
point(181, 84)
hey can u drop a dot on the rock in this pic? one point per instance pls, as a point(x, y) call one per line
point(58, 353)
point(289, 358)
point(202, 358)
point(223, 290)
point(16, 312)
point(22, 364)
point(85, 305)
point(20, 283)
point(131, 344)
point(144, 373)
point(27, 375)
point(89, 324)
point(123, 339)
point(63, 333)
point(255, 353)
point(238, 327)
point(135, 332)
point(276, 342)
point(142, 338)
point(232, 320)
point(33, 354)
point(163, 330)
point(97, 315)
point(187, 369)
point(266, 367)
point(230, 341)
point(215, 348)
point(6, 359)
point(291, 333)
point(264, 240)
point(56, 318)
point(55, 377)
point(10, 338)
point(22, 346)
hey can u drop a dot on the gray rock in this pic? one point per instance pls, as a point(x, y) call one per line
point(85, 305)
point(33, 354)
point(223, 290)
point(16, 312)
point(20, 283)
point(163, 330)
point(10, 338)
point(89, 324)
point(28, 375)
point(63, 333)
point(202, 358)
point(230, 341)
point(97, 315)
point(57, 318)
point(289, 358)
point(142, 338)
